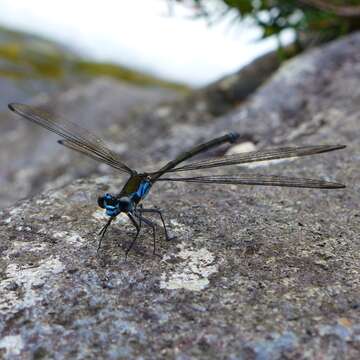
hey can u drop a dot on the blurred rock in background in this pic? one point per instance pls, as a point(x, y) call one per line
point(31, 65)
point(96, 95)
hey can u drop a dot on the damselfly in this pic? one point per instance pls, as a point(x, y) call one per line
point(138, 185)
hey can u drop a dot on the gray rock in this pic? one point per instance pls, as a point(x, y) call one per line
point(222, 95)
point(254, 273)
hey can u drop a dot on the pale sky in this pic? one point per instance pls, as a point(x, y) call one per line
point(141, 35)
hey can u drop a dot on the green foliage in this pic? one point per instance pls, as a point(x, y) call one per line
point(90, 68)
point(316, 20)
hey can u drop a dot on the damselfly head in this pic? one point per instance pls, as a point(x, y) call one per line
point(110, 203)
point(101, 200)
point(114, 205)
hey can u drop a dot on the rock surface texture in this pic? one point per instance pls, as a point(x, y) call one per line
point(254, 272)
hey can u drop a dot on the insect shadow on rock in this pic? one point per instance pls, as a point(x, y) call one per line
point(137, 187)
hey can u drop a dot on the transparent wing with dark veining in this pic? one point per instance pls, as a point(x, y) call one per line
point(76, 137)
point(256, 156)
point(90, 154)
point(257, 179)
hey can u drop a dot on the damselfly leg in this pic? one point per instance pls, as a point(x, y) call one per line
point(141, 210)
point(152, 225)
point(102, 233)
point(138, 228)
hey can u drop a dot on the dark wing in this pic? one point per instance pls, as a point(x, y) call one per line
point(76, 137)
point(255, 156)
point(195, 150)
point(256, 179)
point(90, 154)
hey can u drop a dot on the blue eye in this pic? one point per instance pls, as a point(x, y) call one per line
point(107, 196)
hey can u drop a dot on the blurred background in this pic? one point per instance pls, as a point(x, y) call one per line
point(153, 36)
point(118, 66)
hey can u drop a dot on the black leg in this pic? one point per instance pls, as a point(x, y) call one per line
point(138, 227)
point(152, 225)
point(102, 233)
point(157, 211)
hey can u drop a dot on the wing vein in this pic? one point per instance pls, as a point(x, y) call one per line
point(257, 179)
point(76, 137)
point(256, 156)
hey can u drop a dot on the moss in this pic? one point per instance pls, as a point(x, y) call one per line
point(35, 57)
point(10, 51)
point(122, 73)
point(12, 74)
point(47, 65)
point(29, 63)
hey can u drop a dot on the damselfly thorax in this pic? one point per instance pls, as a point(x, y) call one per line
point(135, 190)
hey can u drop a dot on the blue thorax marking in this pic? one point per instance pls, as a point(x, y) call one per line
point(115, 205)
point(143, 189)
